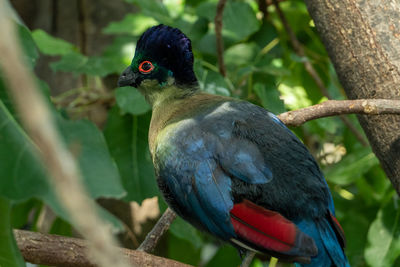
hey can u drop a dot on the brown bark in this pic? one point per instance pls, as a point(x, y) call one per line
point(66, 251)
point(77, 21)
point(363, 39)
point(339, 107)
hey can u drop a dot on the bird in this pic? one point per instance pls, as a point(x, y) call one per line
point(229, 167)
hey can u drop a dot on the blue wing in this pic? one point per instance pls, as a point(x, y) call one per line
point(194, 168)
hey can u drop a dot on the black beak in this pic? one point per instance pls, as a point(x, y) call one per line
point(128, 78)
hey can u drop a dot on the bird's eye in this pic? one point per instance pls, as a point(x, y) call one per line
point(146, 67)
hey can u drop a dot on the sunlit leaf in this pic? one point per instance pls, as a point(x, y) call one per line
point(154, 9)
point(239, 19)
point(384, 236)
point(134, 24)
point(351, 167)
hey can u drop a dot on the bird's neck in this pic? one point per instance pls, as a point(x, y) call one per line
point(173, 109)
point(163, 98)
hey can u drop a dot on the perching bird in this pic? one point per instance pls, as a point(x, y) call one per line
point(229, 167)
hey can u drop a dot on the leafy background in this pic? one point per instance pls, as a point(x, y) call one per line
point(112, 150)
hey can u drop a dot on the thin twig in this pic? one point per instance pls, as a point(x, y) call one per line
point(59, 162)
point(298, 48)
point(338, 107)
point(57, 250)
point(152, 238)
point(262, 6)
point(218, 36)
point(248, 259)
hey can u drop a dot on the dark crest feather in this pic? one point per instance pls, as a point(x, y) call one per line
point(170, 48)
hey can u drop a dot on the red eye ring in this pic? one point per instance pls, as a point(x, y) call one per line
point(146, 67)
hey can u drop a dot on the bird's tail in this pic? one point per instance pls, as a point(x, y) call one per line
point(329, 238)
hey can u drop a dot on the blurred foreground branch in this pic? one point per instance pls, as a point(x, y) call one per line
point(61, 166)
point(338, 107)
point(57, 250)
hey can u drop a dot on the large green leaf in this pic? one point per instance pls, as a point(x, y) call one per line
point(183, 251)
point(225, 256)
point(211, 81)
point(28, 45)
point(384, 236)
point(22, 173)
point(130, 100)
point(24, 176)
point(154, 9)
point(351, 167)
point(71, 62)
point(9, 253)
point(87, 143)
point(126, 137)
point(134, 24)
point(50, 45)
point(97, 65)
point(239, 19)
point(185, 231)
point(241, 54)
point(269, 97)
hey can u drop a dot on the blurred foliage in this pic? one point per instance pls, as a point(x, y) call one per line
point(262, 67)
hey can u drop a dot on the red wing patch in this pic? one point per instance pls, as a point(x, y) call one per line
point(338, 230)
point(270, 230)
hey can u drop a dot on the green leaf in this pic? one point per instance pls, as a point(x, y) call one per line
point(126, 137)
point(225, 256)
point(211, 81)
point(21, 212)
point(70, 62)
point(351, 167)
point(241, 54)
point(183, 251)
point(134, 24)
point(87, 143)
point(9, 252)
point(28, 45)
point(184, 230)
point(131, 101)
point(154, 9)
point(269, 97)
point(61, 227)
point(384, 237)
point(25, 174)
point(97, 66)
point(239, 19)
point(50, 45)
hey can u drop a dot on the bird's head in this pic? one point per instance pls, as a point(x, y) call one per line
point(163, 58)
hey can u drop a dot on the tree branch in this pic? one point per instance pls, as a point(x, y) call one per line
point(57, 250)
point(218, 36)
point(298, 48)
point(152, 238)
point(338, 107)
point(63, 171)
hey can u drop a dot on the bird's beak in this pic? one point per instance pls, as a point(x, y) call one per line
point(128, 78)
